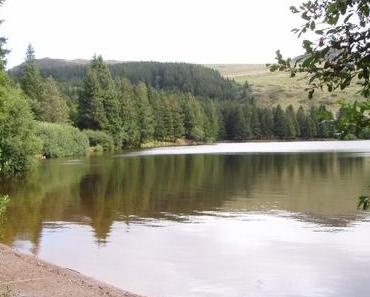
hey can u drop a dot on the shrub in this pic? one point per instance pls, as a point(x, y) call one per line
point(61, 140)
point(197, 135)
point(19, 145)
point(100, 138)
point(365, 133)
point(349, 137)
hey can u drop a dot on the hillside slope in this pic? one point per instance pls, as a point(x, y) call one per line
point(275, 88)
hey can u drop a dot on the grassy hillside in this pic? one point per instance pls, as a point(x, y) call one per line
point(278, 88)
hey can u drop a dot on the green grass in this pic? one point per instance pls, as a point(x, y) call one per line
point(273, 88)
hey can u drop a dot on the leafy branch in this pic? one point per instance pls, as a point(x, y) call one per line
point(339, 54)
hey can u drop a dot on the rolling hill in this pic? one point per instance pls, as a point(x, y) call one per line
point(272, 88)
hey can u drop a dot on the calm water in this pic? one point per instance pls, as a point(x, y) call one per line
point(229, 220)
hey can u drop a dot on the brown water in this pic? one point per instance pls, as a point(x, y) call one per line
point(204, 222)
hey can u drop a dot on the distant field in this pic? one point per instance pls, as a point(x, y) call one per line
point(272, 88)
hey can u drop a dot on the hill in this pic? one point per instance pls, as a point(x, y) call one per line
point(198, 80)
point(273, 88)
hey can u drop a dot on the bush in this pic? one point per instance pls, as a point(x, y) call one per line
point(19, 145)
point(349, 137)
point(365, 133)
point(197, 135)
point(100, 138)
point(61, 140)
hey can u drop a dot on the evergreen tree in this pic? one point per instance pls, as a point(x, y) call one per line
point(193, 119)
point(302, 123)
point(31, 82)
point(91, 106)
point(292, 124)
point(267, 123)
point(99, 104)
point(146, 117)
point(280, 123)
point(211, 120)
point(54, 107)
point(256, 119)
point(129, 114)
point(178, 118)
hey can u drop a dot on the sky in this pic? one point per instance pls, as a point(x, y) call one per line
point(194, 31)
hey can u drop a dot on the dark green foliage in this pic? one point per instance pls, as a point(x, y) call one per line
point(46, 100)
point(31, 83)
point(292, 124)
point(18, 142)
point(61, 140)
point(54, 107)
point(145, 113)
point(129, 114)
point(365, 133)
point(91, 102)
point(100, 138)
point(135, 112)
point(280, 123)
point(353, 118)
point(198, 80)
point(99, 105)
point(325, 123)
point(363, 202)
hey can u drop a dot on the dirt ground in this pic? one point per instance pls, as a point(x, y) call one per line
point(27, 276)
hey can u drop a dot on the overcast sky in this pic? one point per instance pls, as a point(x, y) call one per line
point(196, 31)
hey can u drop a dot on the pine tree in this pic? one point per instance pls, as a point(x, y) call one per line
point(178, 118)
point(302, 123)
point(280, 123)
point(292, 124)
point(256, 123)
point(129, 114)
point(54, 107)
point(31, 82)
point(267, 123)
point(193, 118)
point(99, 104)
point(91, 106)
point(146, 117)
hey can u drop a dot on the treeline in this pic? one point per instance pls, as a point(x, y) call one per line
point(60, 118)
point(134, 114)
point(198, 80)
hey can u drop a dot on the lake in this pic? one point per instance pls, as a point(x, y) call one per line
point(225, 220)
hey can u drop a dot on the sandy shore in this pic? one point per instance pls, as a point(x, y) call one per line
point(27, 276)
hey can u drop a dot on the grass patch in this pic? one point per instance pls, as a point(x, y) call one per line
point(273, 88)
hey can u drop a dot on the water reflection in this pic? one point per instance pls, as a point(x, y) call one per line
point(272, 224)
point(320, 188)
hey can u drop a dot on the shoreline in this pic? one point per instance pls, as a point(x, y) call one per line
point(28, 276)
